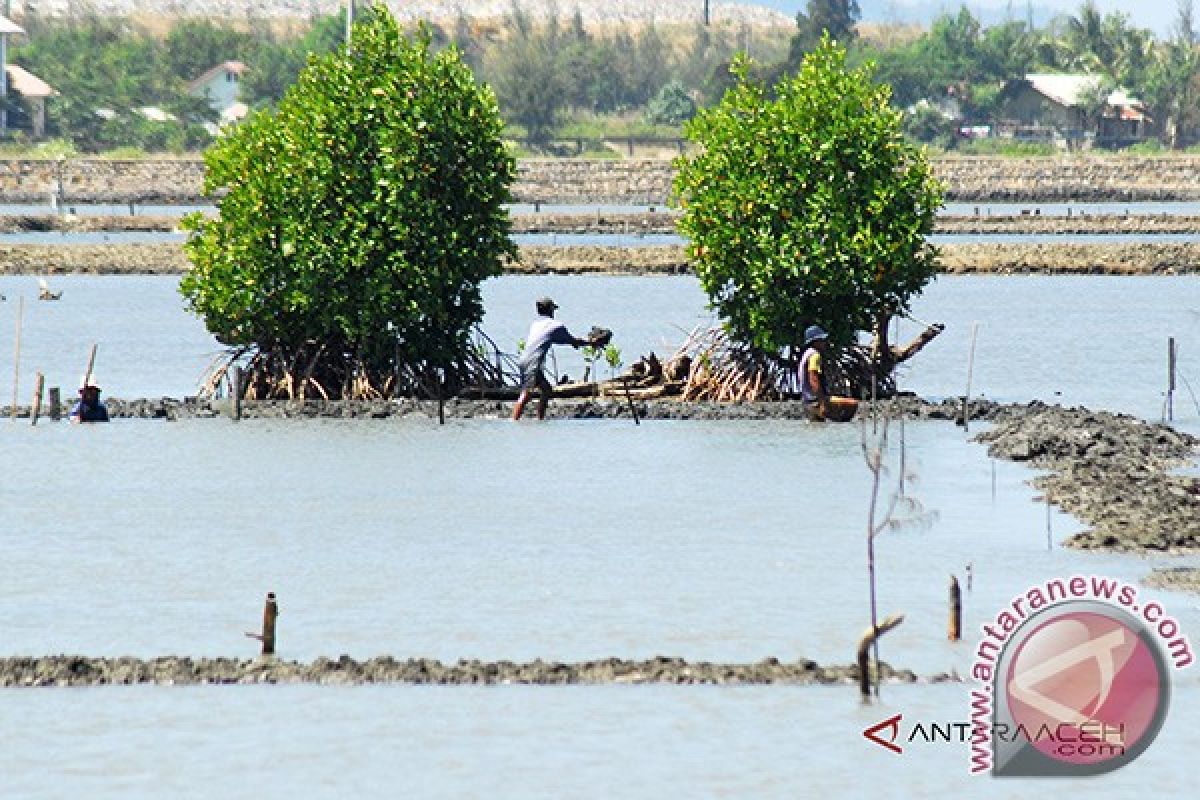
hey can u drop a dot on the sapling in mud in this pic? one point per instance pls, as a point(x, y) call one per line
point(901, 509)
point(590, 356)
point(612, 356)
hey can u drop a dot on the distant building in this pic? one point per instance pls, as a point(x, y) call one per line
point(221, 86)
point(7, 28)
point(32, 92)
point(1062, 106)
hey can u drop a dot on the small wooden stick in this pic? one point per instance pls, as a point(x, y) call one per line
point(954, 627)
point(55, 404)
point(868, 639)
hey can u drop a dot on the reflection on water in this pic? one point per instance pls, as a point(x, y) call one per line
point(518, 742)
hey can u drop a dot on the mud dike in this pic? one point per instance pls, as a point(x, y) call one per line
point(182, 671)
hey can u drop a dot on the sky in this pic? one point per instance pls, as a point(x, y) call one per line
point(1155, 14)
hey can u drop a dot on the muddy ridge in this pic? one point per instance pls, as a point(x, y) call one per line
point(1145, 258)
point(67, 670)
point(1113, 472)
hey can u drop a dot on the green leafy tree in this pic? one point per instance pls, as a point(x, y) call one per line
point(807, 208)
point(833, 18)
point(671, 106)
point(1171, 83)
point(360, 219)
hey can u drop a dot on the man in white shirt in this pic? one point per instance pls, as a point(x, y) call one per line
point(544, 333)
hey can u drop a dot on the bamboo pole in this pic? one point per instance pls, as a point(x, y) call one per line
point(36, 410)
point(235, 390)
point(1170, 378)
point(17, 355)
point(869, 638)
point(87, 375)
point(954, 628)
point(966, 407)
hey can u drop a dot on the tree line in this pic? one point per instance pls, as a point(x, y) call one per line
point(558, 76)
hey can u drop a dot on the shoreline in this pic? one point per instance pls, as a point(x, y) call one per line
point(1172, 258)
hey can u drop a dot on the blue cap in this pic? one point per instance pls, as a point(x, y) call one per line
point(814, 333)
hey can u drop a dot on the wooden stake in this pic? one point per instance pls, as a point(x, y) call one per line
point(629, 397)
point(869, 638)
point(966, 408)
point(17, 355)
point(267, 637)
point(38, 385)
point(954, 629)
point(55, 404)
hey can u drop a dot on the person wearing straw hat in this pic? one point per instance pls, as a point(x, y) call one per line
point(812, 380)
point(88, 407)
point(544, 333)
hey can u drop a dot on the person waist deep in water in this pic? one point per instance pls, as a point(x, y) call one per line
point(89, 408)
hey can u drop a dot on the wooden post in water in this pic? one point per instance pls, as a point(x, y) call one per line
point(36, 411)
point(954, 628)
point(966, 408)
point(267, 637)
point(235, 391)
point(1170, 378)
point(55, 404)
point(869, 638)
point(17, 355)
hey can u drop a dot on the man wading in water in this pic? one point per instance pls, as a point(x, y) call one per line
point(544, 333)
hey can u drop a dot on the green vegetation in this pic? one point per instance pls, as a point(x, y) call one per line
point(559, 79)
point(806, 205)
point(361, 217)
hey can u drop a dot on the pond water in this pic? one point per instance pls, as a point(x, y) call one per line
point(1056, 338)
point(569, 540)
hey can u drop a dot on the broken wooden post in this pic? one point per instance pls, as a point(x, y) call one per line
point(869, 637)
point(267, 637)
point(38, 384)
point(55, 404)
point(954, 629)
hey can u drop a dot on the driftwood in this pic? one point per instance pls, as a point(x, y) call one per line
point(869, 637)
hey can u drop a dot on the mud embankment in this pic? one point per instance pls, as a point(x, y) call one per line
point(182, 671)
point(1173, 258)
point(1113, 472)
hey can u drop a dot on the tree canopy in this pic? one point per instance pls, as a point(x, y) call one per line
point(807, 205)
point(359, 221)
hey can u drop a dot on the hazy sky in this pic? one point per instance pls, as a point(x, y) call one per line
point(1155, 14)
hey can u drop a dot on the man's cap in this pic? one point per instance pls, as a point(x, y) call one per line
point(814, 333)
point(91, 383)
point(546, 302)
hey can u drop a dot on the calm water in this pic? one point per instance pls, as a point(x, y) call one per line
point(571, 540)
point(1063, 338)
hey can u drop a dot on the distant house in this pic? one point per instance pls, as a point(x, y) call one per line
point(7, 28)
point(221, 86)
point(1058, 105)
point(32, 92)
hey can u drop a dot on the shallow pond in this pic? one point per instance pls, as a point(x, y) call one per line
point(569, 540)
point(1093, 340)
